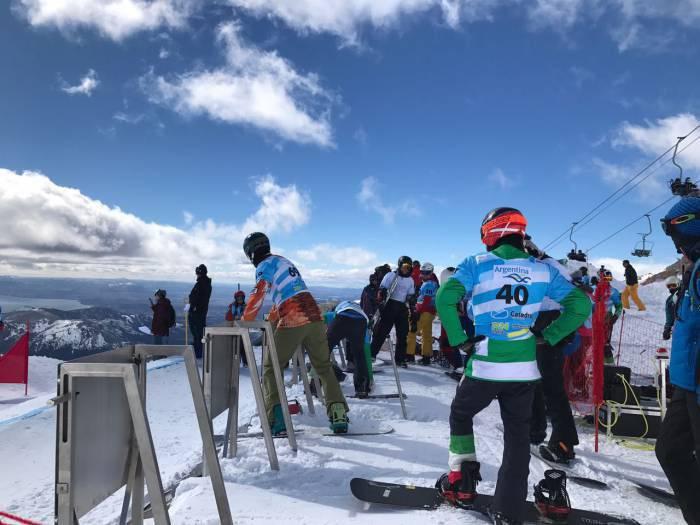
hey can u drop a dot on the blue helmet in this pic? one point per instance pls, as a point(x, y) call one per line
point(682, 224)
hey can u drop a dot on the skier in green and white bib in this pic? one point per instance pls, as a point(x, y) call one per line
point(505, 287)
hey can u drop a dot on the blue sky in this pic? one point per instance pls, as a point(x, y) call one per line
point(139, 138)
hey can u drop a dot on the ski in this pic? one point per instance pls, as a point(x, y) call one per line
point(656, 494)
point(427, 498)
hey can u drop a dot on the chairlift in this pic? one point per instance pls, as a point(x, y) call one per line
point(575, 254)
point(644, 247)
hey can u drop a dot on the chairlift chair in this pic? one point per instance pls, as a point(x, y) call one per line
point(643, 248)
point(575, 254)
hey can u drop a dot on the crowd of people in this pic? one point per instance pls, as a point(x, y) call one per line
point(509, 317)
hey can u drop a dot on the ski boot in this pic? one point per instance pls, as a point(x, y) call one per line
point(551, 498)
point(425, 361)
point(558, 452)
point(411, 359)
point(459, 487)
point(501, 519)
point(338, 418)
point(277, 425)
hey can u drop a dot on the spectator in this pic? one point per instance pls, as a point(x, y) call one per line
point(415, 275)
point(672, 285)
point(585, 278)
point(613, 310)
point(237, 307)
point(425, 310)
point(199, 305)
point(348, 321)
point(163, 317)
point(632, 287)
point(368, 300)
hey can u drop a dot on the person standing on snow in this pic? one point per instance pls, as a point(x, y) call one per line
point(237, 307)
point(163, 317)
point(678, 443)
point(613, 310)
point(550, 399)
point(348, 321)
point(368, 299)
point(198, 308)
point(299, 322)
point(672, 285)
point(425, 309)
point(631, 288)
point(394, 309)
point(506, 287)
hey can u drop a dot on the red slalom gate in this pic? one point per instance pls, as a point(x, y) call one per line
point(583, 370)
point(14, 365)
point(15, 520)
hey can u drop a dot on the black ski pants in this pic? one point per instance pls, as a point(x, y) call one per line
point(394, 314)
point(353, 330)
point(515, 401)
point(551, 401)
point(678, 451)
point(197, 324)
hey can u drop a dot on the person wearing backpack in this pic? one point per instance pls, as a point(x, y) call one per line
point(163, 317)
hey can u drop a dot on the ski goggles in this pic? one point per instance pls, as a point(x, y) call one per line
point(672, 286)
point(406, 267)
point(425, 272)
point(507, 224)
point(667, 225)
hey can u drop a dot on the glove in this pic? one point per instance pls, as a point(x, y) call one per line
point(468, 346)
point(667, 333)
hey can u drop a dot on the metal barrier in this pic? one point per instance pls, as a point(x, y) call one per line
point(103, 438)
point(222, 356)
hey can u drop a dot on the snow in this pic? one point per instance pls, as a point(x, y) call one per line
point(312, 486)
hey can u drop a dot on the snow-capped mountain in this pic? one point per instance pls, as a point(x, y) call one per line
point(70, 334)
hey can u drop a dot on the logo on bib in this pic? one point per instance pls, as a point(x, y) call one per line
point(518, 278)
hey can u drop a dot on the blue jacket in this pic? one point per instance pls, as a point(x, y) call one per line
point(686, 341)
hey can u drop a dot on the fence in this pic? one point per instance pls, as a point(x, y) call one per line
point(636, 340)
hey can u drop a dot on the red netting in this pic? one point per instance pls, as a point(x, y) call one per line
point(583, 370)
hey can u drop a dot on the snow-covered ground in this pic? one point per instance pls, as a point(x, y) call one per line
point(312, 485)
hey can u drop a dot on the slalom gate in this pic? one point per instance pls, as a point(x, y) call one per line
point(627, 398)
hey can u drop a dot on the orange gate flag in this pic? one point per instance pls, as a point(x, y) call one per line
point(14, 365)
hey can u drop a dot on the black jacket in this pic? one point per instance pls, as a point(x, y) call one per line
point(199, 296)
point(631, 276)
point(368, 301)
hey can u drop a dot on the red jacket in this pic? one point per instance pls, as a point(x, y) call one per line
point(162, 317)
point(415, 274)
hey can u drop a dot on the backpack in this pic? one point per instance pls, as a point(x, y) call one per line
point(172, 316)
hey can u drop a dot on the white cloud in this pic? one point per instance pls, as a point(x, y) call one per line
point(615, 176)
point(52, 229)
point(344, 256)
point(115, 19)
point(371, 200)
point(256, 88)
point(86, 86)
point(187, 217)
point(500, 179)
point(655, 137)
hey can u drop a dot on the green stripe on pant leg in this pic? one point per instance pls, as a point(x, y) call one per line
point(368, 357)
point(462, 444)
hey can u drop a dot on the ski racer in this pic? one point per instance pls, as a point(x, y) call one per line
point(348, 321)
point(678, 443)
point(298, 322)
point(550, 398)
point(425, 309)
point(672, 285)
point(396, 295)
point(631, 287)
point(507, 287)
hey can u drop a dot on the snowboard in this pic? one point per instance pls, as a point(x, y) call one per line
point(426, 498)
point(381, 396)
point(569, 469)
point(454, 375)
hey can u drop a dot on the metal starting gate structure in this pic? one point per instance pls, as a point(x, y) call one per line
point(104, 441)
point(222, 358)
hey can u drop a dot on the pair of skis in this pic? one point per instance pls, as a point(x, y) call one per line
point(429, 498)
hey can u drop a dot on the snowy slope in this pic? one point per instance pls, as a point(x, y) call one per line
point(313, 484)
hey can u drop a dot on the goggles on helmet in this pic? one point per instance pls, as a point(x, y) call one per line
point(506, 224)
point(667, 225)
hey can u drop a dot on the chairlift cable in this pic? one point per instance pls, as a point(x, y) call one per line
point(637, 175)
point(630, 224)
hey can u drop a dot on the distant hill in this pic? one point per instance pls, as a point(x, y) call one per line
point(673, 269)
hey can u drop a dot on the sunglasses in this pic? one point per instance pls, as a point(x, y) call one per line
point(668, 224)
point(425, 272)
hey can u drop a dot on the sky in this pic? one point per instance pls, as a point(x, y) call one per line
point(139, 138)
